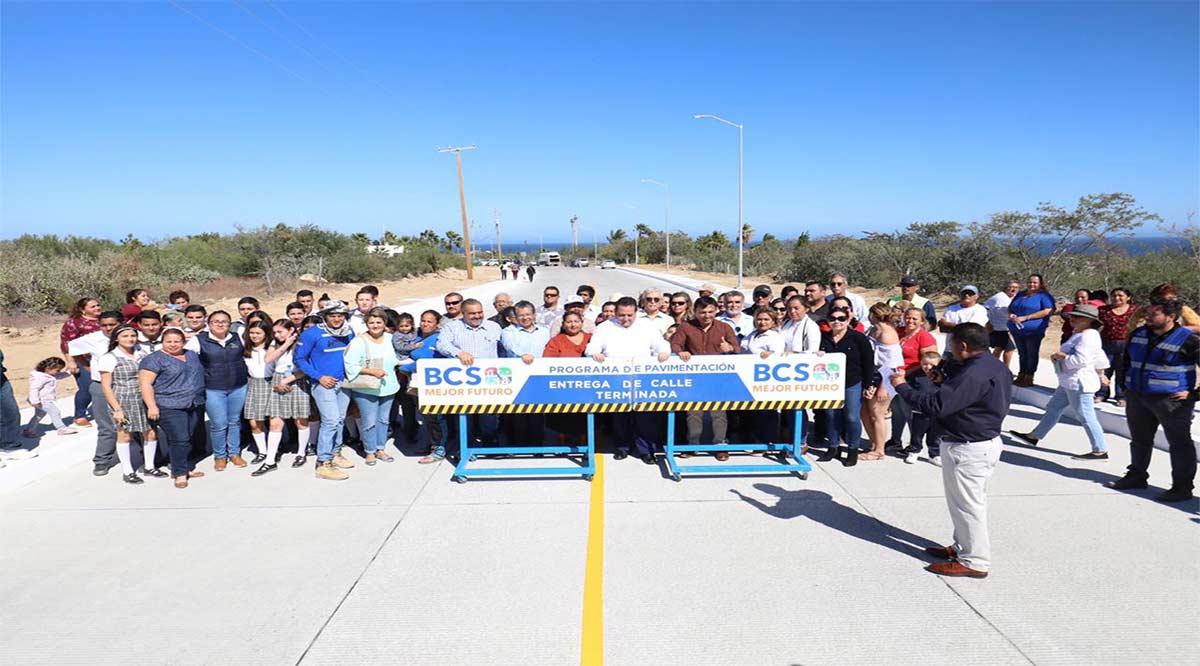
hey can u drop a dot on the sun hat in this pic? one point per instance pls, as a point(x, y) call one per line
point(1085, 310)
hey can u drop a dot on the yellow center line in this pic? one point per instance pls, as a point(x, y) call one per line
point(592, 646)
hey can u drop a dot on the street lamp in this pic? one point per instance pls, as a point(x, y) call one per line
point(739, 226)
point(667, 188)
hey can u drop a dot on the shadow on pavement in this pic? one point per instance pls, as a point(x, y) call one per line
point(820, 507)
point(1086, 474)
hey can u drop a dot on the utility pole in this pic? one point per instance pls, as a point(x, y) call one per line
point(574, 233)
point(462, 201)
point(667, 215)
point(499, 247)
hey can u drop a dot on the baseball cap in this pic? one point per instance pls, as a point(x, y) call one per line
point(709, 287)
point(971, 288)
point(573, 300)
point(762, 290)
point(909, 281)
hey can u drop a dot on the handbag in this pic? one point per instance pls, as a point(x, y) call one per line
point(366, 382)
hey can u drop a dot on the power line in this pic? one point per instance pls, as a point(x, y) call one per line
point(239, 42)
point(330, 49)
point(285, 38)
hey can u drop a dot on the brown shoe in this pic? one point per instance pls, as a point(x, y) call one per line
point(956, 569)
point(237, 460)
point(219, 464)
point(83, 423)
point(944, 552)
point(722, 456)
point(326, 470)
point(342, 461)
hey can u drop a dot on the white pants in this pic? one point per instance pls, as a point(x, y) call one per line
point(966, 468)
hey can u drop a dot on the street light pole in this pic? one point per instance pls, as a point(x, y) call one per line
point(499, 247)
point(462, 201)
point(740, 226)
point(666, 188)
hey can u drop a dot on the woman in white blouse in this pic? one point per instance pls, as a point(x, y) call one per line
point(1080, 363)
point(764, 341)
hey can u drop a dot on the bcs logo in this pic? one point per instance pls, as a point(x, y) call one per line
point(800, 372)
point(468, 376)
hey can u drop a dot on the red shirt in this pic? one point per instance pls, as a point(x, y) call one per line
point(1115, 325)
point(76, 328)
point(560, 346)
point(911, 347)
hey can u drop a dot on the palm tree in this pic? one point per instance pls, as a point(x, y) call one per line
point(616, 236)
point(747, 234)
point(453, 240)
point(643, 230)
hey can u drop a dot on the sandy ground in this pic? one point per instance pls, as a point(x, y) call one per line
point(28, 340)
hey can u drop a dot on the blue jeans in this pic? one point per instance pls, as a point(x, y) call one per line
point(224, 409)
point(847, 421)
point(332, 404)
point(176, 426)
point(1081, 404)
point(83, 397)
point(374, 412)
point(1029, 347)
point(10, 418)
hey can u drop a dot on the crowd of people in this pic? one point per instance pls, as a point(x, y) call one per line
point(329, 373)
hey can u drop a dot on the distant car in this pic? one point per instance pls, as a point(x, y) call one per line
point(579, 263)
point(608, 263)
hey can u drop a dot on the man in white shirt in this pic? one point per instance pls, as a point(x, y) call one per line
point(966, 311)
point(87, 350)
point(742, 323)
point(999, 339)
point(628, 336)
point(591, 311)
point(575, 304)
point(840, 286)
point(652, 311)
point(549, 310)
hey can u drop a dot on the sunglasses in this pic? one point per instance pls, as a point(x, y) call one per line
point(679, 303)
point(780, 309)
point(449, 303)
point(653, 299)
point(550, 294)
point(839, 319)
point(837, 284)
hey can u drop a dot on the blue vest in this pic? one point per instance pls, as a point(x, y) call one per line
point(1160, 369)
point(224, 367)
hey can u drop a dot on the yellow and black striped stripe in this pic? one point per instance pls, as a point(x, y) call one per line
point(594, 408)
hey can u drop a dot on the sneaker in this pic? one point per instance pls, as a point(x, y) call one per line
point(910, 459)
point(154, 472)
point(328, 471)
point(67, 431)
point(1091, 455)
point(133, 479)
point(299, 461)
point(936, 460)
point(342, 461)
point(1175, 495)
point(1026, 437)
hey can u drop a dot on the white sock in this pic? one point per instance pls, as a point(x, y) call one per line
point(273, 446)
point(125, 455)
point(151, 450)
point(260, 443)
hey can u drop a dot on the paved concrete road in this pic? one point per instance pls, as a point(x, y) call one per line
point(400, 566)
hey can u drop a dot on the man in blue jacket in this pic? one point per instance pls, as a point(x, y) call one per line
point(320, 354)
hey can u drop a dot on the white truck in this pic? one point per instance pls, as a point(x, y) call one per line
point(549, 259)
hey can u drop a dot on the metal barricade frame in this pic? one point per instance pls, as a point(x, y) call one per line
point(787, 449)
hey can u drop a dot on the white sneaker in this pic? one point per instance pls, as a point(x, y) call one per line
point(17, 454)
point(911, 458)
point(937, 460)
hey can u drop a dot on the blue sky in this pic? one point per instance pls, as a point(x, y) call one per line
point(139, 118)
